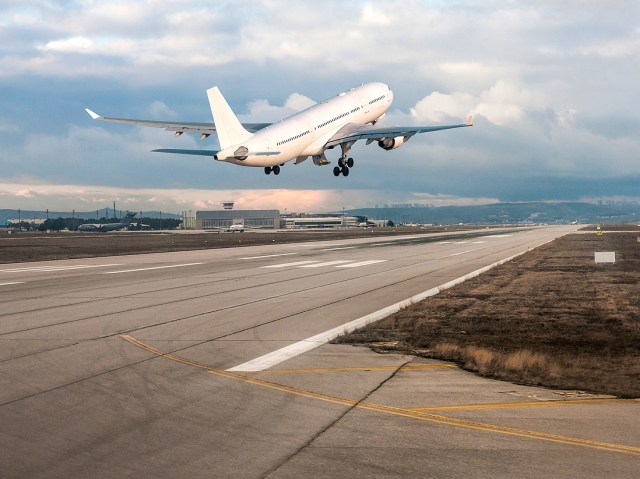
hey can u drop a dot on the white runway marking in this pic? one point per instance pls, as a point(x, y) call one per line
point(287, 265)
point(346, 263)
point(311, 245)
point(328, 263)
point(461, 252)
point(479, 242)
point(276, 357)
point(362, 263)
point(14, 282)
point(268, 256)
point(153, 267)
point(336, 249)
point(40, 269)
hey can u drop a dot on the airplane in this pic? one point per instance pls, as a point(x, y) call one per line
point(106, 227)
point(339, 121)
point(237, 227)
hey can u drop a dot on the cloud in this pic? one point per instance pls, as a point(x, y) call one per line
point(503, 103)
point(159, 109)
point(549, 85)
point(262, 110)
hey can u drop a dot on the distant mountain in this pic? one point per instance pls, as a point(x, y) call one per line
point(26, 215)
point(508, 213)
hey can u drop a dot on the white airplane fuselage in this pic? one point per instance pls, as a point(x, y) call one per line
point(306, 133)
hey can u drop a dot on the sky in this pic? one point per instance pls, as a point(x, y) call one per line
point(552, 87)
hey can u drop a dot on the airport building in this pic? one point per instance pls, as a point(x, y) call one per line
point(215, 220)
point(268, 219)
point(298, 222)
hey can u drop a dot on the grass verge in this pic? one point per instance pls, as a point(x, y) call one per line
point(551, 317)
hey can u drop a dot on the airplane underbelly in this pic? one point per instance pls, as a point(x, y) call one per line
point(263, 160)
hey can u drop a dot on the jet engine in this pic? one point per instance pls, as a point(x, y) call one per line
point(391, 143)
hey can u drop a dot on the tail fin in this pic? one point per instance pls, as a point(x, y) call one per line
point(229, 129)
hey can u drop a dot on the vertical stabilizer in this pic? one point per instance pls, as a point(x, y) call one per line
point(229, 129)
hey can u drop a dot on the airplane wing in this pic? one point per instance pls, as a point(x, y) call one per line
point(353, 132)
point(213, 152)
point(177, 127)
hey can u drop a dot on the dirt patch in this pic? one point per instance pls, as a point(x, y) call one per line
point(551, 317)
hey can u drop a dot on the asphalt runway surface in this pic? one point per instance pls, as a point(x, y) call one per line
point(214, 363)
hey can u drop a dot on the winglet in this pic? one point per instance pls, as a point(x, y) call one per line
point(93, 114)
point(470, 121)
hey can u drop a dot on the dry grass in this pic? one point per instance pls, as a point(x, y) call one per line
point(551, 317)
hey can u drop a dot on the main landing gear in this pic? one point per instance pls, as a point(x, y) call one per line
point(269, 169)
point(343, 167)
point(344, 163)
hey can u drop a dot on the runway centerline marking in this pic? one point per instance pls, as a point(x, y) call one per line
point(328, 263)
point(287, 265)
point(152, 267)
point(461, 252)
point(52, 268)
point(268, 256)
point(340, 248)
point(395, 411)
point(13, 282)
point(362, 263)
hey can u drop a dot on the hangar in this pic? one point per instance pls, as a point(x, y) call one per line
point(213, 220)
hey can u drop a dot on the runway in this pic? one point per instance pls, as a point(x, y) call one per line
point(153, 365)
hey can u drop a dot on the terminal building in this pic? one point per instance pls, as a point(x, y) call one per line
point(298, 222)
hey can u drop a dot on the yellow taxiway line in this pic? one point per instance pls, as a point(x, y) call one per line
point(420, 414)
point(416, 367)
point(517, 405)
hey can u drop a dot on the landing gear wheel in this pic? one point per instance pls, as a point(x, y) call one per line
point(345, 171)
point(350, 162)
point(276, 170)
point(267, 170)
point(341, 163)
point(336, 171)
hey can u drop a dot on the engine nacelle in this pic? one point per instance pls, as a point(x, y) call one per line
point(391, 143)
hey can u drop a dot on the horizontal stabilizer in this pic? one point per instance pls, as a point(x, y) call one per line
point(212, 152)
point(188, 152)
